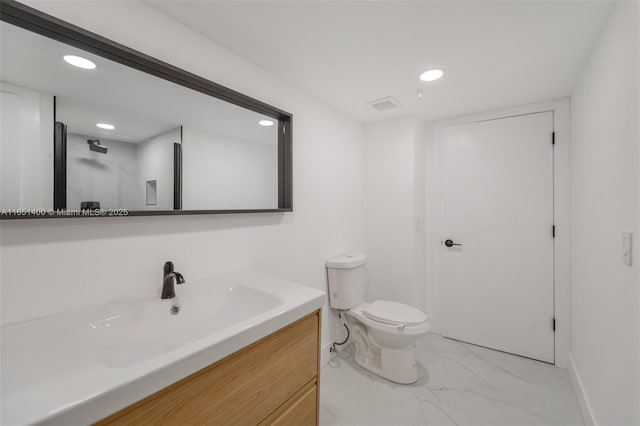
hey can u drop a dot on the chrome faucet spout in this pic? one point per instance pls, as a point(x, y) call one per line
point(171, 277)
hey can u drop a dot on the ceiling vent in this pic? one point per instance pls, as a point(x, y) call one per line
point(385, 104)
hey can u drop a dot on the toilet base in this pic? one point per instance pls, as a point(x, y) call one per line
point(396, 365)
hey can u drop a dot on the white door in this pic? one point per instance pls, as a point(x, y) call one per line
point(496, 192)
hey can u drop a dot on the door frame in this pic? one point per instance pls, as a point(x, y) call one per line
point(561, 213)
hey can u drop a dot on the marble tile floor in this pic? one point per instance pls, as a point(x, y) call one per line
point(459, 384)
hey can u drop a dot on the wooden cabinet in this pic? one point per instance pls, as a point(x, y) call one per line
point(273, 381)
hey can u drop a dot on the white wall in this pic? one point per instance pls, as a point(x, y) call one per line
point(52, 265)
point(26, 148)
point(222, 172)
point(605, 338)
point(155, 162)
point(394, 210)
point(109, 178)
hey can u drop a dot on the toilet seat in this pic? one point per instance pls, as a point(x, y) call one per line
point(389, 326)
point(394, 313)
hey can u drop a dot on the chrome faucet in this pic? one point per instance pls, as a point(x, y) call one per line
point(168, 290)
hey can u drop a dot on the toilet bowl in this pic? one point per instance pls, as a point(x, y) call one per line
point(384, 332)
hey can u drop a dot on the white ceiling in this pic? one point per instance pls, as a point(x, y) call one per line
point(495, 54)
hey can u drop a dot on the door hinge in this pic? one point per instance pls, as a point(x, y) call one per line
point(553, 231)
point(553, 324)
point(553, 138)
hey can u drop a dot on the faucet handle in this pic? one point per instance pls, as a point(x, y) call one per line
point(179, 278)
point(168, 268)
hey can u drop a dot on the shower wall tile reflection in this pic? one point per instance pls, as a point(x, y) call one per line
point(155, 163)
point(107, 178)
point(117, 178)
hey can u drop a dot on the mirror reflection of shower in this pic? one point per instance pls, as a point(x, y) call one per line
point(94, 145)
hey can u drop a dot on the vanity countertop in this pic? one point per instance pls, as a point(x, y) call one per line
point(79, 367)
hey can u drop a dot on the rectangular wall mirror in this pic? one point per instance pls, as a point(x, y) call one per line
point(92, 128)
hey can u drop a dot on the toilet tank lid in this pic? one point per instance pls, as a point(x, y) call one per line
point(347, 261)
point(394, 313)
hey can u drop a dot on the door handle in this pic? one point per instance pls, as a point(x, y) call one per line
point(450, 243)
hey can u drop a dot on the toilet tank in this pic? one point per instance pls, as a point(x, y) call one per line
point(347, 280)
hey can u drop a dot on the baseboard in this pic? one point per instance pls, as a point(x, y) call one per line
point(325, 355)
point(583, 401)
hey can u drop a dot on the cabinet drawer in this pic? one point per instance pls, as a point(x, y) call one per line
point(302, 410)
point(243, 388)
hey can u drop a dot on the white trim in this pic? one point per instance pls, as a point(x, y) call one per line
point(585, 409)
point(562, 214)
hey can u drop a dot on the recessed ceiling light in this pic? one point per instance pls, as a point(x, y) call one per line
point(106, 126)
point(265, 123)
point(431, 75)
point(80, 62)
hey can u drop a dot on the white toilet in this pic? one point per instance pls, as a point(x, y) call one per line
point(384, 332)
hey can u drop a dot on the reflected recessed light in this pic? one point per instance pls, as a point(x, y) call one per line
point(106, 126)
point(431, 75)
point(80, 62)
point(265, 123)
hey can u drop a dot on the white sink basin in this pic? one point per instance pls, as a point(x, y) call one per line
point(125, 333)
point(79, 367)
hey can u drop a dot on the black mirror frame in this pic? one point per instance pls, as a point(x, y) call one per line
point(38, 22)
